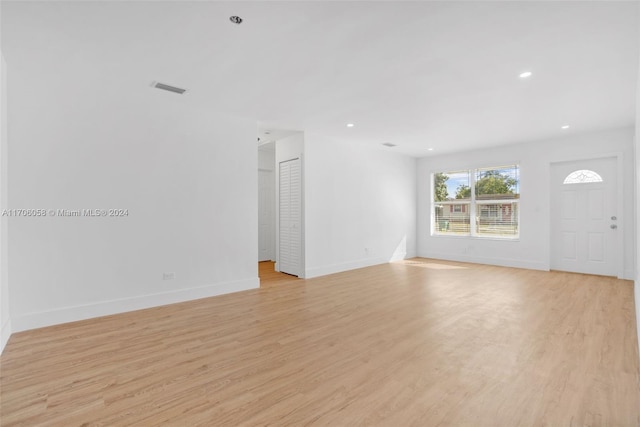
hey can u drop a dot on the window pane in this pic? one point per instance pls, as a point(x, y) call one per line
point(452, 218)
point(451, 186)
point(497, 219)
point(498, 183)
point(582, 177)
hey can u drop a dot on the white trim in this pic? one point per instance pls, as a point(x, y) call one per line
point(501, 262)
point(106, 308)
point(303, 229)
point(473, 215)
point(620, 209)
point(339, 268)
point(5, 334)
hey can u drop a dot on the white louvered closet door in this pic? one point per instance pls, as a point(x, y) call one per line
point(290, 217)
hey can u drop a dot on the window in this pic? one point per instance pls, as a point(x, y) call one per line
point(490, 196)
point(582, 177)
point(452, 199)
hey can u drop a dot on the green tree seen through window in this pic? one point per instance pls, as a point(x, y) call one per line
point(495, 182)
point(490, 182)
point(440, 187)
point(463, 192)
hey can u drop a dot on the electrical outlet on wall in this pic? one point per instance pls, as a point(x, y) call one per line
point(168, 276)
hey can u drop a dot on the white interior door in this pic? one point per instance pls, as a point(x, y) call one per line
point(266, 215)
point(584, 217)
point(290, 199)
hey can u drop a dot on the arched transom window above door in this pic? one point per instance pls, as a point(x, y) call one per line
point(582, 176)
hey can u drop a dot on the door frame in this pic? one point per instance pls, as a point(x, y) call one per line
point(299, 156)
point(619, 203)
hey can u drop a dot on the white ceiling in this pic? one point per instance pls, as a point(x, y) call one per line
point(421, 75)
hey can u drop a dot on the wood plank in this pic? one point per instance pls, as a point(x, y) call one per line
point(418, 342)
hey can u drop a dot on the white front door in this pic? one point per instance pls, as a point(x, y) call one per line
point(584, 217)
point(290, 215)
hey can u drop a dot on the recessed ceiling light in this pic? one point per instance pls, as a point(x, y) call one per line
point(388, 144)
point(236, 19)
point(526, 75)
point(350, 125)
point(429, 149)
point(565, 127)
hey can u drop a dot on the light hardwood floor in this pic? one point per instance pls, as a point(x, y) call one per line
point(270, 277)
point(420, 342)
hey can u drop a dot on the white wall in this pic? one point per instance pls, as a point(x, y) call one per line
point(5, 319)
point(637, 212)
point(360, 206)
point(290, 147)
point(266, 159)
point(532, 249)
point(266, 164)
point(187, 177)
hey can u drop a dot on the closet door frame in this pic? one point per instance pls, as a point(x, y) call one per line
point(282, 267)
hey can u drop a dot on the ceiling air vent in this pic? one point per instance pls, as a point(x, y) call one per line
point(170, 88)
point(388, 144)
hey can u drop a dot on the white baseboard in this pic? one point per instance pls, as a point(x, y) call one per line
point(82, 312)
point(5, 334)
point(502, 262)
point(339, 268)
point(628, 274)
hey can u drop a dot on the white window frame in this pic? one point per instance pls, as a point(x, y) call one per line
point(472, 203)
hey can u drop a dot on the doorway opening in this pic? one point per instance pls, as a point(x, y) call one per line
point(269, 277)
point(280, 206)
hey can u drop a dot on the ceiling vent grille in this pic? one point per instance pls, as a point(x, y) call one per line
point(388, 144)
point(169, 88)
